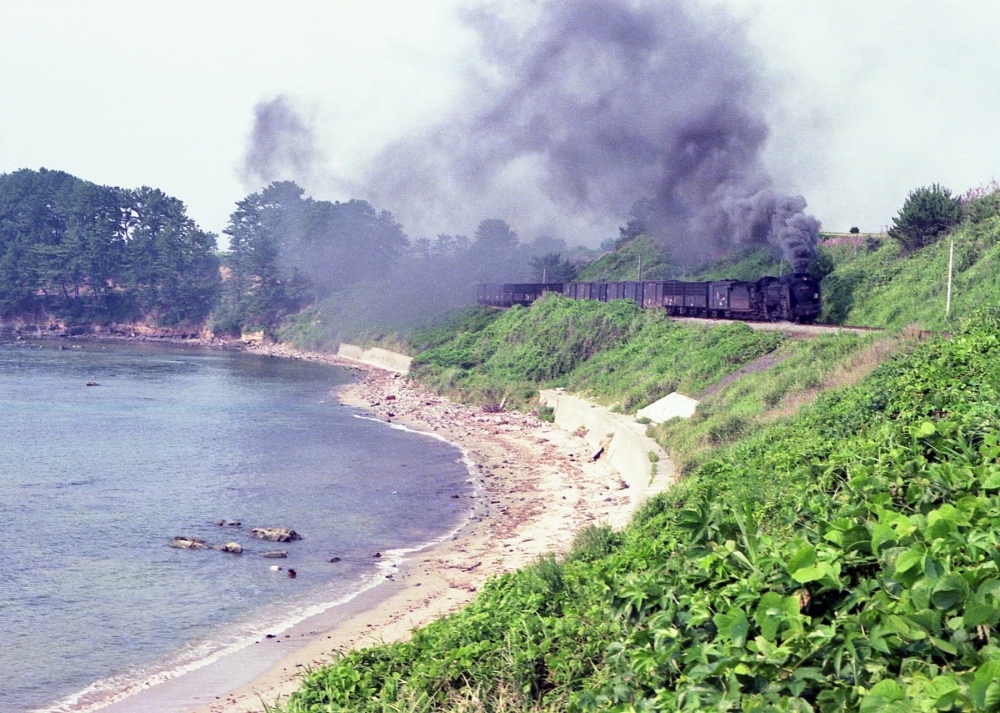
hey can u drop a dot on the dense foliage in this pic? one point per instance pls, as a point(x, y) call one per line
point(82, 252)
point(286, 251)
point(847, 559)
point(614, 351)
point(928, 213)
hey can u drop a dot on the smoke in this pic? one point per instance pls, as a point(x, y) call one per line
point(588, 107)
point(281, 146)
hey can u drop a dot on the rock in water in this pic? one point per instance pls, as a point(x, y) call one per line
point(275, 534)
point(188, 543)
point(231, 547)
point(279, 555)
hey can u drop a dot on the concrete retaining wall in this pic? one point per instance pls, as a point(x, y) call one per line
point(628, 451)
point(382, 358)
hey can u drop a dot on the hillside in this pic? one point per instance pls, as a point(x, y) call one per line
point(841, 558)
point(874, 283)
point(625, 262)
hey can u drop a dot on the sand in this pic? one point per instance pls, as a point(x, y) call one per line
point(537, 486)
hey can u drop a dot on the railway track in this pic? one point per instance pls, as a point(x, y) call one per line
point(787, 327)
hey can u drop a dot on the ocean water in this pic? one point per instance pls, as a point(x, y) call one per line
point(96, 480)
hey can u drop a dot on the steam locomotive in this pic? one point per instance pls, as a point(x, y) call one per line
point(792, 298)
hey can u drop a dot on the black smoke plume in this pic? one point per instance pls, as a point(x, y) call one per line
point(281, 146)
point(590, 106)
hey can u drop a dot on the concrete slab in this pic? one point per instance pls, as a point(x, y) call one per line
point(672, 405)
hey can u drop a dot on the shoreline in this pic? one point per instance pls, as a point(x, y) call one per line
point(535, 484)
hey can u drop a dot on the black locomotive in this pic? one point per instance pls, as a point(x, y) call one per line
point(793, 298)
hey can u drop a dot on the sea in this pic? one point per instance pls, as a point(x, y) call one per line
point(109, 450)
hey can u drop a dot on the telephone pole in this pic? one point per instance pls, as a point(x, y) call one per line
point(951, 263)
point(638, 274)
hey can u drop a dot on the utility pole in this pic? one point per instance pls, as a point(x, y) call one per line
point(543, 275)
point(638, 274)
point(951, 263)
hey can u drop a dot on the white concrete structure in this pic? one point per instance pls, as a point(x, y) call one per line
point(625, 443)
point(670, 406)
point(382, 358)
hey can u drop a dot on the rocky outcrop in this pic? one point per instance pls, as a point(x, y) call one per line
point(231, 547)
point(188, 543)
point(275, 534)
point(277, 555)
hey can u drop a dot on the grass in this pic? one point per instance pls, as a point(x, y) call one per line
point(843, 559)
point(802, 369)
point(876, 284)
point(614, 352)
point(624, 263)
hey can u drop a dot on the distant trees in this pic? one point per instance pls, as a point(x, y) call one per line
point(551, 267)
point(493, 254)
point(287, 251)
point(79, 251)
point(928, 213)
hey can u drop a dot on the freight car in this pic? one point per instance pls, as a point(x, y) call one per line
point(793, 298)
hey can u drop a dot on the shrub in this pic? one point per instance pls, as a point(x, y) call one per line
point(546, 413)
point(927, 214)
point(982, 203)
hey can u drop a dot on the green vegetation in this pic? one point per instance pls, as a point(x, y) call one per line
point(875, 283)
point(750, 265)
point(927, 214)
point(611, 351)
point(776, 387)
point(623, 263)
point(844, 559)
point(287, 251)
point(87, 253)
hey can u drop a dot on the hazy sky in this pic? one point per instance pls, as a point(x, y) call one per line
point(871, 98)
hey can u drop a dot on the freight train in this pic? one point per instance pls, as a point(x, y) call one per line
point(792, 298)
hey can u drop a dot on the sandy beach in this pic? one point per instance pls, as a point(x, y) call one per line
point(537, 486)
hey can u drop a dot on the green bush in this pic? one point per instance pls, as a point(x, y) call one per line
point(928, 213)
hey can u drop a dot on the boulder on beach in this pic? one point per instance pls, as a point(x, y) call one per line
point(275, 534)
point(278, 555)
point(188, 543)
point(234, 548)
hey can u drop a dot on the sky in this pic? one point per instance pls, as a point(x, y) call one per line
point(869, 99)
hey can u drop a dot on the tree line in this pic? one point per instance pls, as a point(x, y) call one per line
point(82, 252)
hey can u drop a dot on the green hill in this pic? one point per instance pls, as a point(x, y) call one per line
point(625, 262)
point(875, 284)
point(842, 559)
point(833, 547)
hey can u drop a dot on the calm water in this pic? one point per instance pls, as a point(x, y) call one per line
point(94, 482)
